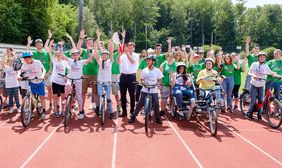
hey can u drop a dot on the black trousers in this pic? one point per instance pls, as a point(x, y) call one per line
point(127, 83)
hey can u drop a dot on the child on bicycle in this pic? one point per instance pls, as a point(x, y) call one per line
point(258, 72)
point(152, 76)
point(58, 83)
point(75, 72)
point(181, 86)
point(104, 75)
point(34, 70)
point(206, 80)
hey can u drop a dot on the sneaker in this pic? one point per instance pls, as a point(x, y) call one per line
point(19, 110)
point(235, 107)
point(57, 114)
point(111, 116)
point(43, 116)
point(11, 110)
point(259, 118)
point(249, 116)
point(51, 106)
point(80, 115)
point(229, 109)
point(92, 106)
point(158, 120)
point(142, 113)
point(181, 113)
point(62, 114)
point(123, 114)
point(97, 111)
point(162, 113)
point(132, 119)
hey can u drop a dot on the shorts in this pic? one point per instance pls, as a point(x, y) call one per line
point(58, 89)
point(235, 92)
point(47, 81)
point(165, 92)
point(86, 83)
point(115, 86)
point(37, 88)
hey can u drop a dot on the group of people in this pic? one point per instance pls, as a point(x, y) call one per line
point(120, 70)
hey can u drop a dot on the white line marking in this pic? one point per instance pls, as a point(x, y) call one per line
point(252, 144)
point(115, 143)
point(3, 123)
point(185, 145)
point(40, 146)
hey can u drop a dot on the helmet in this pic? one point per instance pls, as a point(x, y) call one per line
point(27, 54)
point(38, 41)
point(153, 57)
point(17, 64)
point(179, 64)
point(104, 51)
point(209, 59)
point(74, 50)
point(261, 54)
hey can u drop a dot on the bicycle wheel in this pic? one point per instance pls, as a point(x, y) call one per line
point(26, 111)
point(273, 113)
point(1, 103)
point(173, 108)
point(245, 102)
point(102, 110)
point(212, 121)
point(68, 111)
point(147, 114)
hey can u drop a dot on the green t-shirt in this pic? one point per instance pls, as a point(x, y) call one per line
point(115, 66)
point(195, 69)
point(159, 60)
point(43, 57)
point(166, 71)
point(252, 58)
point(142, 64)
point(216, 68)
point(228, 70)
point(237, 75)
point(275, 66)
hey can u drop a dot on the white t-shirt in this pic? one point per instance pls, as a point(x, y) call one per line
point(75, 68)
point(33, 70)
point(11, 77)
point(59, 67)
point(261, 71)
point(151, 77)
point(126, 66)
point(105, 75)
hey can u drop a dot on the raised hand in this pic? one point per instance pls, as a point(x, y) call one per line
point(169, 39)
point(123, 34)
point(111, 47)
point(29, 40)
point(98, 33)
point(68, 36)
point(82, 34)
point(248, 39)
point(49, 34)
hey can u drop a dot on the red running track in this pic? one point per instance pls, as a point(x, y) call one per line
point(86, 143)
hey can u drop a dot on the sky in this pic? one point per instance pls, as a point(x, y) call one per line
point(254, 3)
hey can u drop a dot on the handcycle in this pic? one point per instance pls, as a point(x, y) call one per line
point(70, 99)
point(273, 107)
point(148, 103)
point(30, 101)
point(103, 100)
point(208, 104)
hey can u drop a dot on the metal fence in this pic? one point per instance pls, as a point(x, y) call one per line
point(18, 49)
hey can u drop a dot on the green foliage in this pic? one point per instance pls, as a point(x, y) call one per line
point(216, 48)
point(270, 53)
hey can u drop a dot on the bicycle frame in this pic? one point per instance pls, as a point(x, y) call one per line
point(268, 95)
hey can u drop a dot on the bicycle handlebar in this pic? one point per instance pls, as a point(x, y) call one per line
point(71, 78)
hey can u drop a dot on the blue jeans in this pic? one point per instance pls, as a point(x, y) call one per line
point(248, 82)
point(13, 93)
point(178, 94)
point(140, 104)
point(256, 92)
point(108, 95)
point(228, 86)
point(275, 86)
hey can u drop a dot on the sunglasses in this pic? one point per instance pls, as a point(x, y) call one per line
point(200, 53)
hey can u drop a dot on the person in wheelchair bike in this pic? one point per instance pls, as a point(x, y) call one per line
point(206, 80)
point(181, 88)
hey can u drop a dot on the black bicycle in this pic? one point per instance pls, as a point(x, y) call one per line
point(70, 100)
point(30, 102)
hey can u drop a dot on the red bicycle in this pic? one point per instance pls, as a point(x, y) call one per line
point(273, 107)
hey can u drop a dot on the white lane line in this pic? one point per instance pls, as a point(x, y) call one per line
point(3, 123)
point(115, 143)
point(40, 146)
point(185, 145)
point(252, 144)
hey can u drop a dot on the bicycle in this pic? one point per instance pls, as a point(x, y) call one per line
point(103, 100)
point(30, 102)
point(70, 100)
point(273, 107)
point(148, 103)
